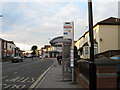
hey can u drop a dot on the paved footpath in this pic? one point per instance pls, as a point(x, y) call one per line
point(54, 78)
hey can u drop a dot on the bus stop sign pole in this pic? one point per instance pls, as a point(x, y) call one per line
point(72, 53)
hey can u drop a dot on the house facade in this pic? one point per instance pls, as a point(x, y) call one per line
point(11, 49)
point(7, 48)
point(106, 34)
point(4, 48)
point(106, 37)
point(51, 51)
point(0, 48)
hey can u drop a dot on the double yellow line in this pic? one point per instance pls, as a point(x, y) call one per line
point(39, 79)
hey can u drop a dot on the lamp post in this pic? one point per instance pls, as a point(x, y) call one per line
point(92, 66)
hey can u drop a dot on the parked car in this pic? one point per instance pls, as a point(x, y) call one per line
point(40, 57)
point(17, 59)
point(117, 57)
point(29, 56)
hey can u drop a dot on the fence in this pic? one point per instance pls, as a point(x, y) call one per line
point(109, 53)
point(106, 73)
point(82, 73)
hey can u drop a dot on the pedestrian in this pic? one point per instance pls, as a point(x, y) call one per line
point(58, 58)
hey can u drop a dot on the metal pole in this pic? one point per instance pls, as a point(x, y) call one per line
point(92, 66)
point(72, 53)
point(63, 58)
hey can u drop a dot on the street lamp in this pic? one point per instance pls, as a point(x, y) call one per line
point(92, 66)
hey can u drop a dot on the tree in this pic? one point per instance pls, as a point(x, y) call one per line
point(17, 49)
point(34, 48)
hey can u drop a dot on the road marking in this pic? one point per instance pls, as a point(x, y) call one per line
point(13, 86)
point(32, 80)
point(25, 79)
point(18, 86)
point(7, 86)
point(14, 79)
point(4, 77)
point(39, 79)
point(15, 72)
point(23, 86)
point(22, 78)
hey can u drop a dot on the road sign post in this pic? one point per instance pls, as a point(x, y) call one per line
point(92, 66)
point(72, 53)
point(69, 34)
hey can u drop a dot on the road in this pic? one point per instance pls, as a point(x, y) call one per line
point(23, 74)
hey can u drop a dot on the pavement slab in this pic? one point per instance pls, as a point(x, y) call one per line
point(54, 78)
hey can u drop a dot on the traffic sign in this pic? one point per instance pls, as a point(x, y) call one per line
point(67, 30)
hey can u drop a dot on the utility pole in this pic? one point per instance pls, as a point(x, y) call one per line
point(92, 66)
point(72, 53)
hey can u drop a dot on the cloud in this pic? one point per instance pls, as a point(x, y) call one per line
point(35, 23)
point(103, 10)
point(57, 0)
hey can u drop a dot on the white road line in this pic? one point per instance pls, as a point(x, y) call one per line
point(39, 79)
point(22, 78)
point(4, 77)
point(25, 79)
point(14, 79)
point(15, 72)
point(33, 79)
point(23, 86)
point(18, 86)
point(13, 86)
point(7, 86)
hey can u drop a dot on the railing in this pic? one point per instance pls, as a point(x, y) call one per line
point(82, 72)
point(84, 69)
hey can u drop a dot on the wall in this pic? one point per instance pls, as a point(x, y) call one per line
point(11, 47)
point(106, 74)
point(86, 37)
point(77, 44)
point(82, 41)
point(0, 48)
point(108, 37)
point(96, 36)
point(119, 36)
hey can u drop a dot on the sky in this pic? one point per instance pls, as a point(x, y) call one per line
point(36, 22)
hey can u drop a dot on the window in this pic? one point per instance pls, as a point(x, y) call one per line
point(86, 50)
point(95, 49)
point(4, 45)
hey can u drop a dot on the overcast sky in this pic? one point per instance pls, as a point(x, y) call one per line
point(36, 22)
